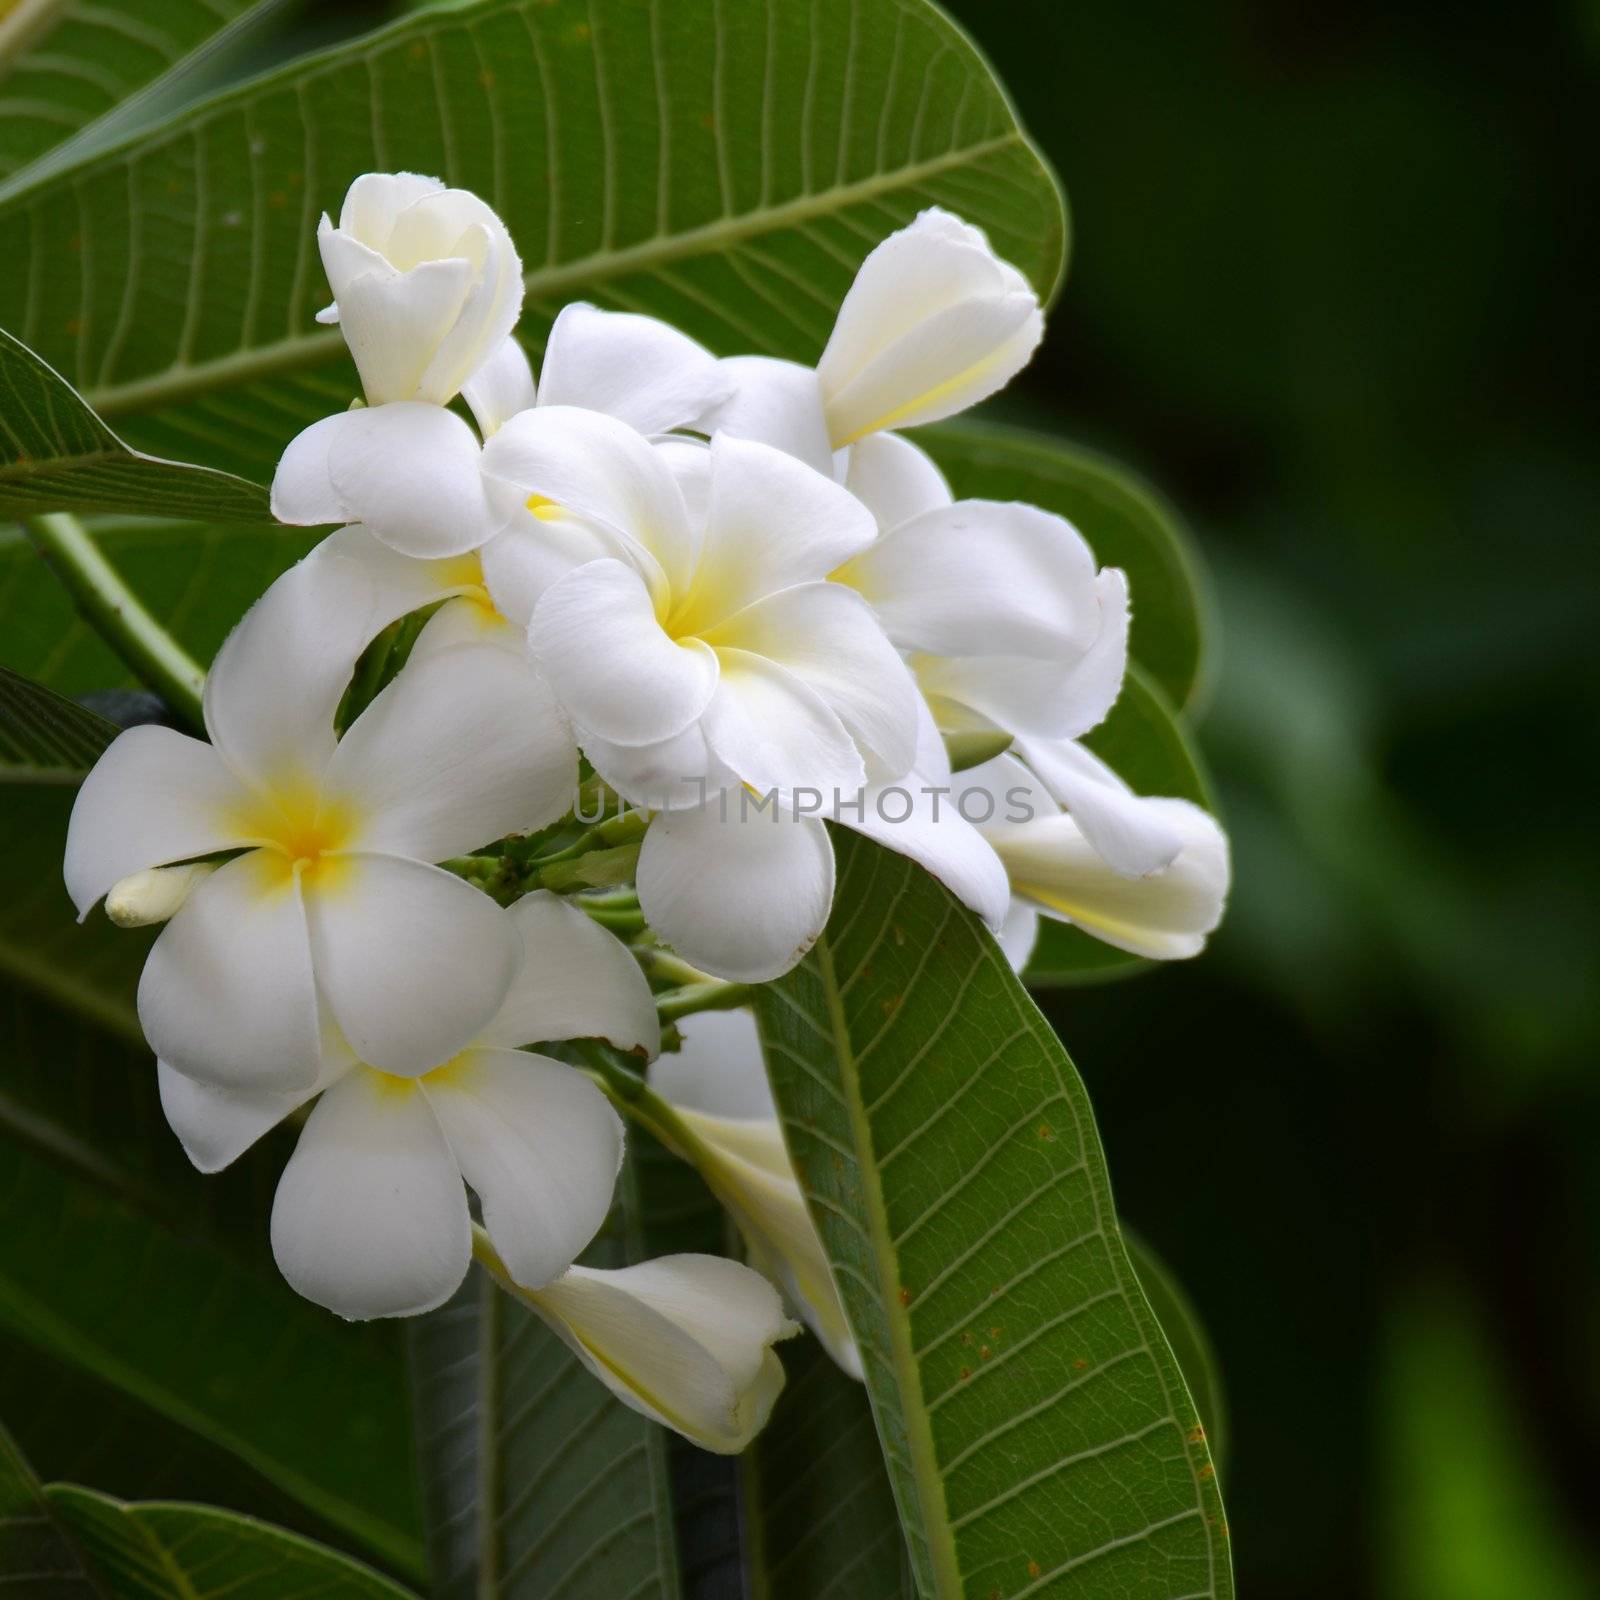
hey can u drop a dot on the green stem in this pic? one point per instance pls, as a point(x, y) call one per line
point(114, 611)
point(668, 967)
point(712, 996)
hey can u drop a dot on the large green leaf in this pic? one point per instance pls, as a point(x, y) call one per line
point(34, 1548)
point(62, 67)
point(1039, 1436)
point(188, 1552)
point(57, 455)
point(537, 1482)
point(1152, 751)
point(724, 166)
point(1126, 522)
point(45, 738)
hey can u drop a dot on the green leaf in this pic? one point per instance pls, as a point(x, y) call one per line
point(1126, 522)
point(1037, 1428)
point(45, 738)
point(197, 580)
point(538, 1482)
point(64, 67)
point(1152, 751)
point(723, 166)
point(1190, 1342)
point(33, 1547)
point(57, 455)
point(820, 1516)
point(186, 1552)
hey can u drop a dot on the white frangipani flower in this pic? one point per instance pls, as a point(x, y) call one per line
point(717, 1085)
point(684, 1340)
point(370, 1218)
point(934, 322)
point(1055, 871)
point(334, 893)
point(412, 473)
point(1009, 628)
point(426, 285)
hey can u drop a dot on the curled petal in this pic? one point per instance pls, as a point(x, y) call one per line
point(227, 995)
point(718, 1069)
point(394, 321)
point(154, 796)
point(370, 1218)
point(685, 1340)
point(541, 1146)
point(611, 664)
point(412, 961)
point(576, 981)
point(1165, 916)
point(639, 370)
point(740, 892)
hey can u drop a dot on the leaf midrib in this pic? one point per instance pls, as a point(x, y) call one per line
point(919, 1434)
point(309, 349)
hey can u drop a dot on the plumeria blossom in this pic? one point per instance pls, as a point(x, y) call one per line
point(1056, 871)
point(684, 1340)
point(717, 1084)
point(370, 1217)
point(934, 322)
point(333, 893)
point(411, 472)
point(705, 660)
point(1011, 629)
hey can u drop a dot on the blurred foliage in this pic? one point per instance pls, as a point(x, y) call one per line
point(1326, 292)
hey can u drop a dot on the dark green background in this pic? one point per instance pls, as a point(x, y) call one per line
point(1332, 288)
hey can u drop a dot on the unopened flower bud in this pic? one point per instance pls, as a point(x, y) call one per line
point(144, 898)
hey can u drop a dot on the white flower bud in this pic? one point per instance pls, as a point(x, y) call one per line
point(153, 896)
point(934, 322)
point(426, 285)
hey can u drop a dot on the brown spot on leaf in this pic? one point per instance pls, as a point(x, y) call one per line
point(905, 1295)
point(1080, 1363)
point(966, 1372)
point(1046, 1132)
point(1033, 1569)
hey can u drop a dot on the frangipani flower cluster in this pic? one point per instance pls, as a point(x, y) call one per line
point(722, 595)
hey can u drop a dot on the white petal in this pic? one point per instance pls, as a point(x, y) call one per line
point(154, 796)
point(500, 388)
point(1019, 935)
point(598, 469)
point(777, 403)
point(462, 748)
point(541, 1146)
point(894, 479)
point(411, 473)
point(913, 820)
point(718, 1069)
point(773, 522)
point(401, 584)
point(685, 1340)
point(639, 370)
point(216, 1126)
point(226, 995)
point(740, 893)
point(1000, 791)
point(394, 322)
point(1092, 687)
point(530, 553)
point(272, 691)
point(575, 981)
point(412, 961)
point(487, 316)
point(1165, 916)
point(302, 486)
point(612, 666)
point(982, 577)
point(476, 624)
point(775, 732)
point(666, 776)
point(1131, 834)
point(375, 199)
point(371, 1218)
point(830, 639)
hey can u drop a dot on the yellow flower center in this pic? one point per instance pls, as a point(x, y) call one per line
point(297, 832)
